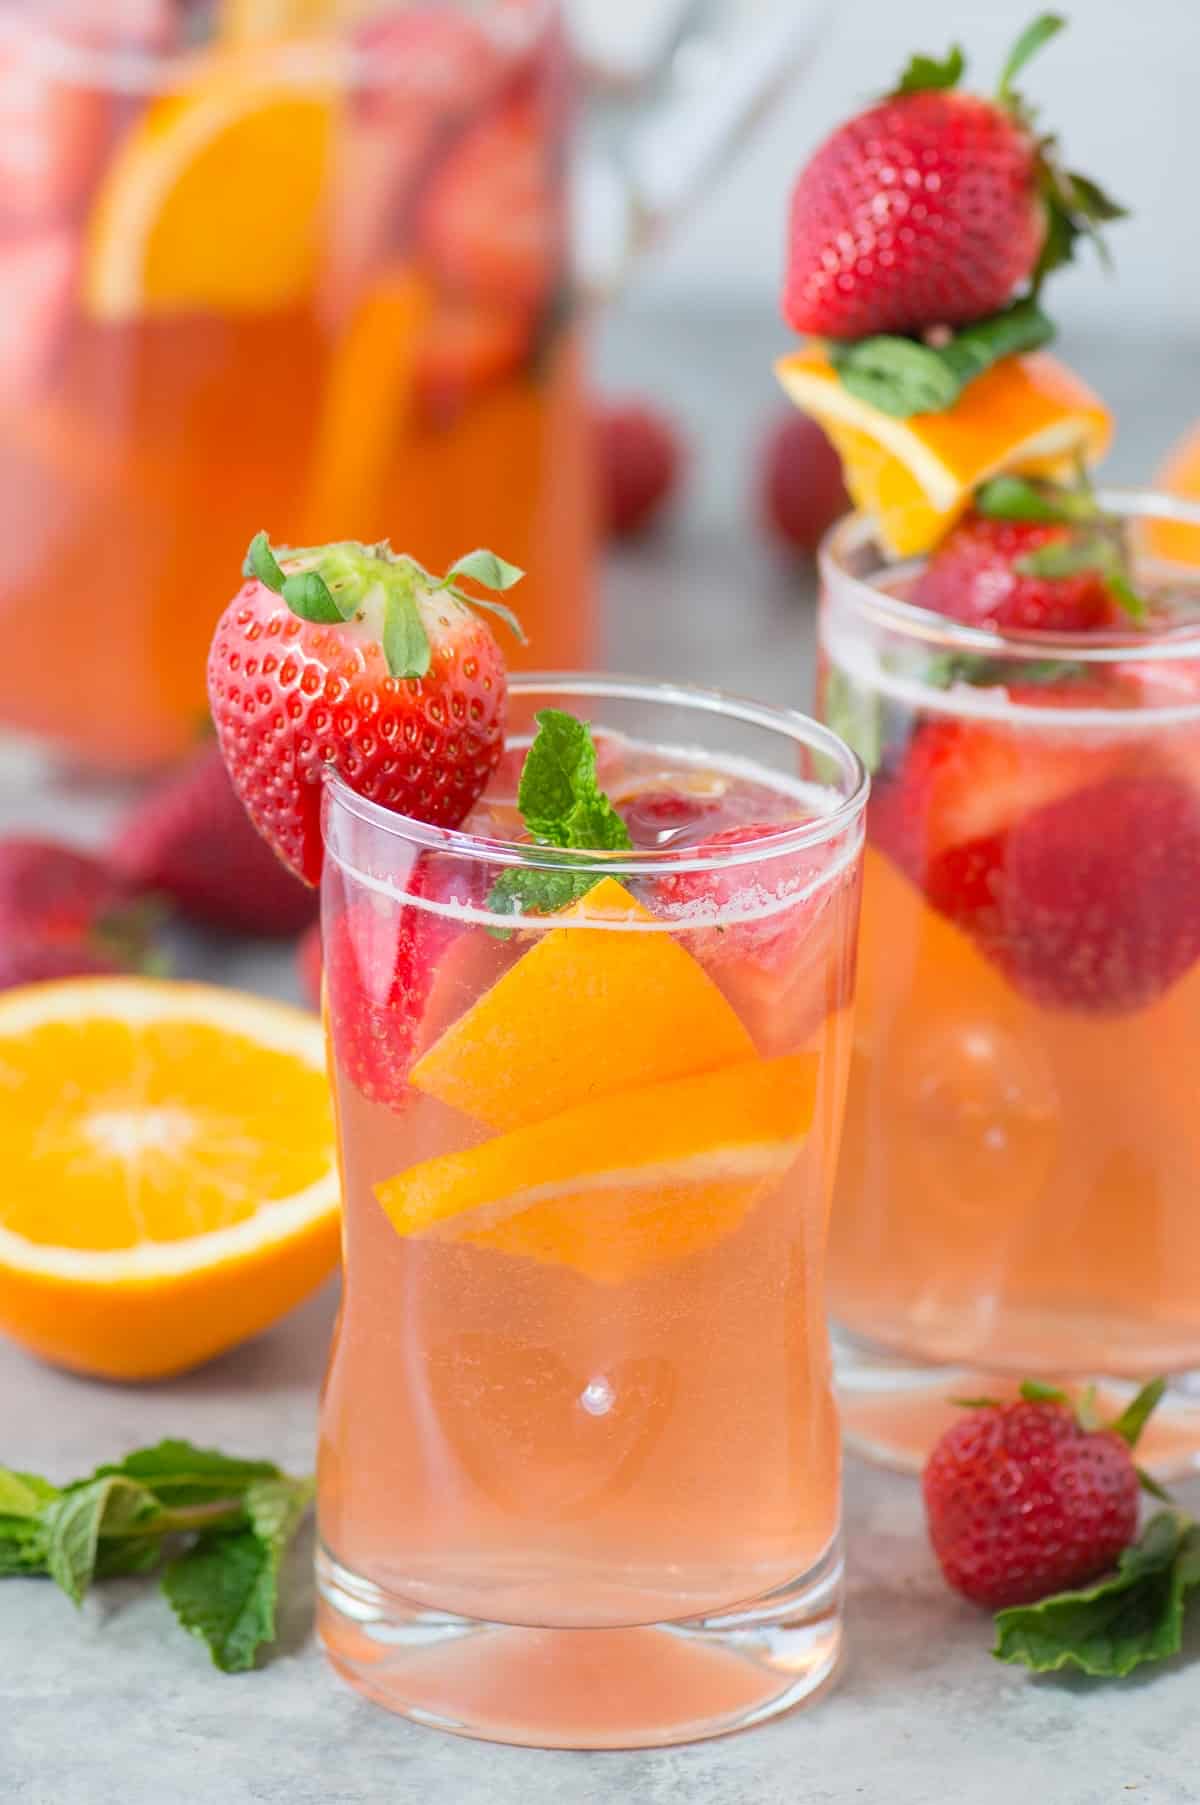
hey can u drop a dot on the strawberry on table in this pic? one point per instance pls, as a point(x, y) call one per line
point(639, 457)
point(63, 913)
point(1026, 1498)
point(190, 840)
point(932, 207)
point(355, 659)
point(802, 491)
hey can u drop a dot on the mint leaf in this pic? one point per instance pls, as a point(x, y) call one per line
point(225, 1589)
point(73, 1525)
point(904, 376)
point(949, 668)
point(924, 72)
point(24, 1494)
point(180, 1474)
point(486, 568)
point(1017, 498)
point(1109, 1629)
point(565, 809)
point(405, 642)
point(22, 1547)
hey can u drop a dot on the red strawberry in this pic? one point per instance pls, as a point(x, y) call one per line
point(639, 456)
point(1022, 1500)
point(800, 480)
point(963, 780)
point(491, 221)
point(191, 840)
point(63, 913)
point(465, 347)
point(974, 576)
point(747, 888)
point(418, 727)
point(397, 974)
point(309, 964)
point(1091, 902)
point(929, 208)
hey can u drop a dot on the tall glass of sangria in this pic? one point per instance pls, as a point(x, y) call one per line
point(579, 1472)
point(252, 275)
point(1017, 1190)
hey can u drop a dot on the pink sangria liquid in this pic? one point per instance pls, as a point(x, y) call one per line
point(1017, 1189)
point(580, 1386)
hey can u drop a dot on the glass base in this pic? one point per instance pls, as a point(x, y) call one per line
point(643, 1687)
point(893, 1410)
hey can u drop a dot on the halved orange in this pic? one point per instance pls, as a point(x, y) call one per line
point(213, 199)
point(170, 1182)
point(586, 1012)
point(915, 476)
point(620, 1184)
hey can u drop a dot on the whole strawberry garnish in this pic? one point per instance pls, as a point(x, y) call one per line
point(931, 207)
point(355, 659)
point(65, 913)
point(639, 456)
point(1034, 557)
point(1028, 1498)
point(189, 839)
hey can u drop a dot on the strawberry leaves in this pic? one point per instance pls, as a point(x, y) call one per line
point(565, 809)
point(1108, 1629)
point(925, 72)
point(223, 1525)
point(347, 581)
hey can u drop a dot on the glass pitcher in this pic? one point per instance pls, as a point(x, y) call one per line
point(312, 265)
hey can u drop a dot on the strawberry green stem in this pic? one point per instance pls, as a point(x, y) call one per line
point(1043, 28)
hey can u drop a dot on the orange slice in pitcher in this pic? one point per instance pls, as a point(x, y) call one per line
point(213, 199)
point(1179, 475)
point(620, 1184)
point(586, 1012)
point(170, 1182)
point(915, 476)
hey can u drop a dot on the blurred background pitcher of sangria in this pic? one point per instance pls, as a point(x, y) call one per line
point(308, 262)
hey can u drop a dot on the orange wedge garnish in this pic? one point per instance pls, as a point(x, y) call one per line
point(914, 477)
point(620, 1184)
point(170, 1183)
point(1180, 475)
point(586, 1012)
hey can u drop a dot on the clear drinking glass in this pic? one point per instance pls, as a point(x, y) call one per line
point(1020, 1167)
point(306, 265)
point(579, 1470)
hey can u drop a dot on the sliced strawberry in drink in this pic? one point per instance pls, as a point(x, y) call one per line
point(397, 974)
point(1091, 902)
point(660, 818)
point(978, 576)
point(426, 65)
point(467, 346)
point(37, 278)
point(490, 220)
point(963, 780)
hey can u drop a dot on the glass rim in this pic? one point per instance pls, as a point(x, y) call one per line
point(789, 723)
point(148, 71)
point(940, 633)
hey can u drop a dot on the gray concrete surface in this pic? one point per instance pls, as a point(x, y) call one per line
point(114, 1706)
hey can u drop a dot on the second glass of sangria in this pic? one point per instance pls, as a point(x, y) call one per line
point(1017, 1193)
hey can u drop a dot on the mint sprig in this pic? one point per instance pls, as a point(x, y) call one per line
point(346, 580)
point(1108, 1629)
point(565, 810)
point(220, 1524)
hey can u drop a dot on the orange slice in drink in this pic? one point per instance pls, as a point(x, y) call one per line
point(170, 1183)
point(253, 21)
point(586, 1012)
point(620, 1184)
point(213, 200)
point(914, 477)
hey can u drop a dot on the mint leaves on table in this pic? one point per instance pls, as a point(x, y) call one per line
point(564, 809)
point(1108, 1629)
point(220, 1524)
